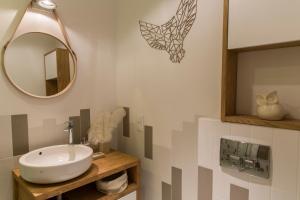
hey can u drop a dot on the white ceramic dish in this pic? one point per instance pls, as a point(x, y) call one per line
point(55, 164)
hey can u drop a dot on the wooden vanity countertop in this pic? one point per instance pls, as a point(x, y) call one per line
point(112, 163)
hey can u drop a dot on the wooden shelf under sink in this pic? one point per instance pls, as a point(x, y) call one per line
point(112, 163)
point(89, 192)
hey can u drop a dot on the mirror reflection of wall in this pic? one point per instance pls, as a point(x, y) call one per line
point(39, 64)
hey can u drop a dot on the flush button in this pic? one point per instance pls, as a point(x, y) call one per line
point(249, 158)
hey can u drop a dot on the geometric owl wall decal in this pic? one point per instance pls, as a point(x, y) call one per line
point(170, 36)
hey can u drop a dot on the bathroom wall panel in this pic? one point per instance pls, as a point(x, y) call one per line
point(166, 191)
point(260, 188)
point(212, 130)
point(221, 184)
point(148, 141)
point(19, 125)
point(6, 181)
point(238, 193)
point(76, 129)
point(6, 149)
point(262, 135)
point(256, 22)
point(126, 123)
point(85, 122)
point(205, 184)
point(240, 132)
point(163, 169)
point(284, 144)
point(285, 164)
point(176, 183)
point(298, 194)
point(49, 132)
point(205, 143)
point(184, 156)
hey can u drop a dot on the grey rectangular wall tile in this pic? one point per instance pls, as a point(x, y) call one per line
point(148, 143)
point(6, 147)
point(6, 181)
point(76, 129)
point(19, 126)
point(166, 191)
point(126, 123)
point(85, 122)
point(238, 193)
point(176, 183)
point(205, 183)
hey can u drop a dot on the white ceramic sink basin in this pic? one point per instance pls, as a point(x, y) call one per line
point(55, 164)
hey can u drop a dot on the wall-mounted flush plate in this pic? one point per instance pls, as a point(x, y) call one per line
point(250, 158)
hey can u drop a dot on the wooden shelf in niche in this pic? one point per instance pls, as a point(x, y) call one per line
point(229, 82)
point(292, 124)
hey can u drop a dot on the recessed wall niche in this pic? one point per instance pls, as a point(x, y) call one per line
point(261, 72)
point(258, 69)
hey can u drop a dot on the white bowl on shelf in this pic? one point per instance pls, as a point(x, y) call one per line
point(55, 164)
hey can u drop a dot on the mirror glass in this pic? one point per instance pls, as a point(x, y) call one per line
point(39, 64)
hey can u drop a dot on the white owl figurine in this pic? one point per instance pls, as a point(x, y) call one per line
point(268, 107)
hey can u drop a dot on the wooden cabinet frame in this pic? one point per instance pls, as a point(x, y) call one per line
point(229, 82)
point(63, 78)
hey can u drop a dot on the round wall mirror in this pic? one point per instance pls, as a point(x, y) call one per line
point(39, 65)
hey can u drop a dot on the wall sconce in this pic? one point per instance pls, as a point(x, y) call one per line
point(46, 4)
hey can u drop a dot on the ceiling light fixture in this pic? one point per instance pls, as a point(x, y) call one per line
point(47, 4)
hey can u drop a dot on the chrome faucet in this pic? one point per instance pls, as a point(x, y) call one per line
point(69, 130)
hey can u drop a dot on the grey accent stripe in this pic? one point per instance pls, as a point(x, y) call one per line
point(166, 191)
point(85, 122)
point(176, 183)
point(126, 123)
point(76, 129)
point(6, 147)
point(148, 142)
point(205, 183)
point(19, 126)
point(238, 193)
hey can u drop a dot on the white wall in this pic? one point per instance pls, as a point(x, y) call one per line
point(168, 96)
point(91, 31)
point(164, 95)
